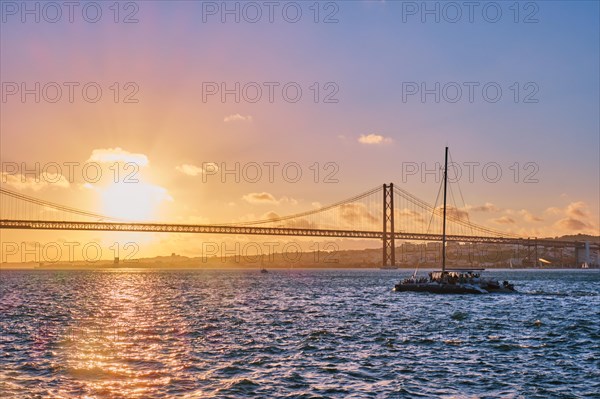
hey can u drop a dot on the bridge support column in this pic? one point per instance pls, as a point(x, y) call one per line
point(389, 246)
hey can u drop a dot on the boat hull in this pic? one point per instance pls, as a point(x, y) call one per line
point(436, 288)
point(439, 288)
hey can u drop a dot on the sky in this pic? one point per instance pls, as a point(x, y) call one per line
point(362, 91)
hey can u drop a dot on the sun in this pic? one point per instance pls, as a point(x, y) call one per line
point(132, 201)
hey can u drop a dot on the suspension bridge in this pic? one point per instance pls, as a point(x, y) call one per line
point(387, 213)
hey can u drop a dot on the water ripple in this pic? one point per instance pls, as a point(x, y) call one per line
point(294, 334)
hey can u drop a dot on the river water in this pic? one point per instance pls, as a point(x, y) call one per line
point(299, 333)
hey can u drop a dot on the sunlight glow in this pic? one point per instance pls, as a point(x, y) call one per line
point(132, 201)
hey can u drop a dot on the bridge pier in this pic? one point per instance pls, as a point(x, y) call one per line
point(582, 254)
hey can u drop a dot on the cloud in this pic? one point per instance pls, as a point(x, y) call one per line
point(190, 170)
point(574, 225)
point(453, 212)
point(270, 216)
point(488, 207)
point(373, 139)
point(504, 220)
point(529, 217)
point(267, 198)
point(112, 155)
point(259, 198)
point(411, 214)
point(577, 209)
point(572, 221)
point(238, 117)
point(553, 210)
point(300, 223)
point(354, 213)
point(193, 170)
point(35, 183)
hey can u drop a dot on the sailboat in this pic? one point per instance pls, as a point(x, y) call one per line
point(452, 281)
point(263, 270)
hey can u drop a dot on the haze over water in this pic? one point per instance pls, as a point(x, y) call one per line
point(294, 333)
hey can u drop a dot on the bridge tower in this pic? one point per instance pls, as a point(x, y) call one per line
point(389, 246)
point(582, 253)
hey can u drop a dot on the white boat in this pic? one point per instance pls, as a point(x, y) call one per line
point(452, 281)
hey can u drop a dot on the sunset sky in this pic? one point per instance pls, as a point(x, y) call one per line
point(366, 124)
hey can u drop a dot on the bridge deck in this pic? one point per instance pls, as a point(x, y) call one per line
point(271, 231)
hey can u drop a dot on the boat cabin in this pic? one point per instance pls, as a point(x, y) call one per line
point(456, 275)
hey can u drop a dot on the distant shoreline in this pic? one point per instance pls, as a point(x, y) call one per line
point(136, 266)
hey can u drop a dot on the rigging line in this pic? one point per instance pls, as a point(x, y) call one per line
point(457, 212)
point(461, 194)
point(433, 210)
point(471, 225)
point(428, 207)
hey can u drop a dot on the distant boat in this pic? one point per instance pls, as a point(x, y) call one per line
point(389, 267)
point(262, 270)
point(457, 281)
point(585, 265)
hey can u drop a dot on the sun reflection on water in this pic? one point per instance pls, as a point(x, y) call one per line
point(124, 342)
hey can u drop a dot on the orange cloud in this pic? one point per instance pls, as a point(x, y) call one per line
point(574, 225)
point(504, 220)
point(193, 170)
point(487, 207)
point(238, 117)
point(112, 155)
point(529, 217)
point(577, 209)
point(373, 139)
point(353, 213)
point(35, 183)
point(453, 212)
point(267, 198)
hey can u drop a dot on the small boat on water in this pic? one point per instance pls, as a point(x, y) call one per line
point(262, 265)
point(452, 281)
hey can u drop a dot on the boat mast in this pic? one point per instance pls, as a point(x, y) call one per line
point(444, 225)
